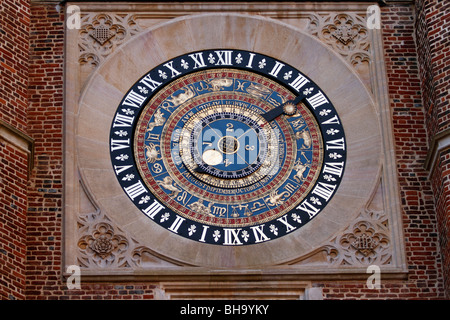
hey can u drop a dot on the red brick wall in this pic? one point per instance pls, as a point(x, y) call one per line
point(14, 30)
point(13, 205)
point(434, 16)
point(44, 122)
point(441, 187)
point(45, 125)
point(433, 40)
point(425, 280)
point(44, 232)
point(422, 248)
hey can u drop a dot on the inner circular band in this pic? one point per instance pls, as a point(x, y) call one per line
point(228, 145)
point(227, 158)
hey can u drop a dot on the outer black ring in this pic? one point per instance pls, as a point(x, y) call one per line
point(123, 163)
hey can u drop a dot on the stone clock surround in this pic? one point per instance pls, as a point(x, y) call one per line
point(95, 205)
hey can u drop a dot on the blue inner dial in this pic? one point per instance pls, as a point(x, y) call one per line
point(228, 145)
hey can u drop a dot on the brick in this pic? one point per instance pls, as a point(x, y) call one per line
point(416, 43)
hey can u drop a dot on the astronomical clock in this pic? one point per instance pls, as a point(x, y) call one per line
point(227, 147)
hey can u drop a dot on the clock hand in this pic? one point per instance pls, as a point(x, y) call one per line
point(289, 108)
point(199, 169)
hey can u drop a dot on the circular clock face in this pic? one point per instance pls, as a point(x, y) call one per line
point(228, 147)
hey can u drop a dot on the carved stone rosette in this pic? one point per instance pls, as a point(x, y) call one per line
point(103, 246)
point(101, 34)
point(365, 242)
point(345, 33)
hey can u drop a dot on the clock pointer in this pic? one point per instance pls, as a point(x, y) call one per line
point(289, 108)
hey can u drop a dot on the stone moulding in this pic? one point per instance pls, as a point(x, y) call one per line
point(439, 143)
point(286, 290)
point(20, 140)
point(113, 247)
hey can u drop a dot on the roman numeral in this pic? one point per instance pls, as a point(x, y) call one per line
point(119, 144)
point(150, 83)
point(276, 68)
point(308, 208)
point(250, 61)
point(334, 168)
point(135, 190)
point(224, 57)
point(133, 99)
point(120, 169)
point(259, 234)
point(171, 68)
point(324, 190)
point(299, 82)
point(283, 220)
point(122, 121)
point(153, 209)
point(317, 100)
point(176, 224)
point(232, 237)
point(336, 144)
point(205, 228)
point(333, 120)
point(198, 60)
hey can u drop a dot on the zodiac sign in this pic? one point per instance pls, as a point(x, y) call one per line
point(151, 153)
point(240, 85)
point(258, 90)
point(247, 211)
point(199, 207)
point(182, 97)
point(305, 136)
point(219, 84)
point(159, 121)
point(256, 206)
point(276, 199)
point(276, 99)
point(166, 183)
point(157, 168)
point(296, 124)
point(219, 211)
point(300, 168)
